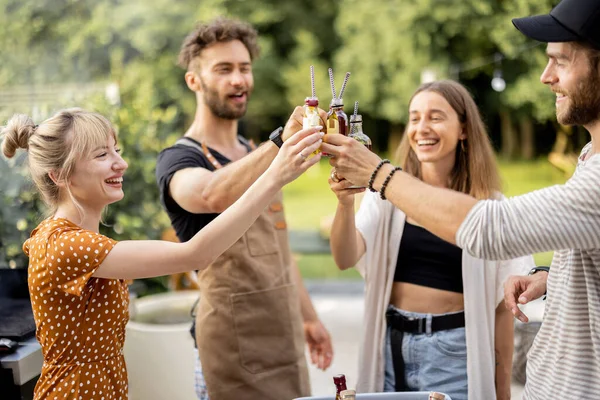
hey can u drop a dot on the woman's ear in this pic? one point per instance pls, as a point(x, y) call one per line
point(54, 175)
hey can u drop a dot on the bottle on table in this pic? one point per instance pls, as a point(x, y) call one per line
point(340, 385)
point(436, 396)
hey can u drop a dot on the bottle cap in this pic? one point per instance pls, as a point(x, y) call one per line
point(355, 118)
point(336, 102)
point(339, 379)
point(311, 101)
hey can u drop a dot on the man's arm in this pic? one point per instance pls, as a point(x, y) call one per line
point(558, 217)
point(198, 190)
point(317, 337)
point(440, 211)
point(503, 344)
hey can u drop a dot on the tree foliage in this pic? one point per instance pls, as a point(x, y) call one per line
point(64, 53)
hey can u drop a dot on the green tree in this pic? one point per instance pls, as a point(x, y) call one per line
point(458, 40)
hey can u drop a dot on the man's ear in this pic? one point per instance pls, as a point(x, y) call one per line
point(193, 81)
point(54, 175)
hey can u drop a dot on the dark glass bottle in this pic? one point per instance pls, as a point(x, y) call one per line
point(340, 385)
point(337, 120)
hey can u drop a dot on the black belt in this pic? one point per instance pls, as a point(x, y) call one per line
point(419, 325)
point(400, 324)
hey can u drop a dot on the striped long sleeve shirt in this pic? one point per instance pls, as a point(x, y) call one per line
point(564, 361)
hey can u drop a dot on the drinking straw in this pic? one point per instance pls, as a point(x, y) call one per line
point(332, 84)
point(344, 85)
point(312, 81)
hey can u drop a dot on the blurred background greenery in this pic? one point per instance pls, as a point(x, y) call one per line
point(118, 57)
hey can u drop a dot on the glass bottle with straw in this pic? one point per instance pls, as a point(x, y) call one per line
point(356, 130)
point(311, 107)
point(337, 120)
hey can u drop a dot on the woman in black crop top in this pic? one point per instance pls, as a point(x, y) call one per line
point(445, 144)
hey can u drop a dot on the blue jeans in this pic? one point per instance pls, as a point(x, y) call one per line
point(434, 361)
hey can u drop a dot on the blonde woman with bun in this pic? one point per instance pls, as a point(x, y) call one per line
point(77, 276)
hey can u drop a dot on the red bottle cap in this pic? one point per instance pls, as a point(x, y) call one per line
point(311, 101)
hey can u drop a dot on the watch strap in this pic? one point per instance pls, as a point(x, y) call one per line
point(538, 269)
point(276, 138)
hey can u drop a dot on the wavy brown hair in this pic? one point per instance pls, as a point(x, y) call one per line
point(219, 30)
point(475, 171)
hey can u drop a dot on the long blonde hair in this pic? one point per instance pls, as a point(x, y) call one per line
point(55, 146)
point(475, 171)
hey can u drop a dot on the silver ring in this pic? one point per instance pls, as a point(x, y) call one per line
point(334, 176)
point(302, 155)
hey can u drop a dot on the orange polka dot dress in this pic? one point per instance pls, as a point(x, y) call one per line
point(80, 320)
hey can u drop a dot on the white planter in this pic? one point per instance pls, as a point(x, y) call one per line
point(159, 350)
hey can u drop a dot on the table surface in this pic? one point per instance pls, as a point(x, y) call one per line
point(26, 362)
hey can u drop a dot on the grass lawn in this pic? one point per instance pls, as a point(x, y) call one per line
point(308, 200)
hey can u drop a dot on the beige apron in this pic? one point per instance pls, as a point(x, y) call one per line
point(248, 322)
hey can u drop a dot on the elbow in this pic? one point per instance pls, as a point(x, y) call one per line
point(343, 263)
point(214, 203)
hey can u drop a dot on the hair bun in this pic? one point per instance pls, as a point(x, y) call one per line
point(16, 134)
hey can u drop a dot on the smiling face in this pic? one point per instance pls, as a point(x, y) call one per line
point(570, 74)
point(225, 74)
point(97, 179)
point(434, 128)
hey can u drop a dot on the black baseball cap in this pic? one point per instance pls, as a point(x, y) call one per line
point(569, 21)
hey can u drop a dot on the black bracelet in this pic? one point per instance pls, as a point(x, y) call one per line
point(387, 180)
point(374, 174)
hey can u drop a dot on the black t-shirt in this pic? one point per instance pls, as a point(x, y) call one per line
point(173, 159)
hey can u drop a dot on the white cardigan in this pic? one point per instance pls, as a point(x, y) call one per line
point(381, 225)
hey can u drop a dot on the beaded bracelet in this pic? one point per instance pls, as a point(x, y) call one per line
point(374, 174)
point(387, 180)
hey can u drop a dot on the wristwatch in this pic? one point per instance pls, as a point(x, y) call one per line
point(538, 269)
point(275, 136)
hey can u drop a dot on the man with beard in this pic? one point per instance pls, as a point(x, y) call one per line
point(254, 312)
point(564, 362)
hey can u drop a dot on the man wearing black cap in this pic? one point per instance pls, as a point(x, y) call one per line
point(564, 361)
